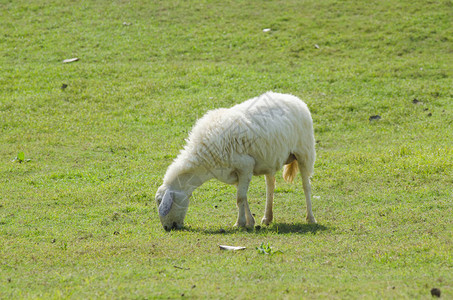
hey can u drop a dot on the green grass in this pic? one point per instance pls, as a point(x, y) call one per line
point(79, 220)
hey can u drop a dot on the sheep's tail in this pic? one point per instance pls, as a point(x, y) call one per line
point(290, 171)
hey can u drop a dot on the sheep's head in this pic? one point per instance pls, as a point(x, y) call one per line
point(172, 207)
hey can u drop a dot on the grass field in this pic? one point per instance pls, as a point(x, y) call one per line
point(77, 212)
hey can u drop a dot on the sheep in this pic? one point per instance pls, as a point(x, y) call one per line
point(256, 137)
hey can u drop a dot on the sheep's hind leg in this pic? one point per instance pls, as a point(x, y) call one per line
point(245, 218)
point(307, 192)
point(270, 186)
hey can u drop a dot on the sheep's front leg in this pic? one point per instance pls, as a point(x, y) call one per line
point(245, 218)
point(270, 186)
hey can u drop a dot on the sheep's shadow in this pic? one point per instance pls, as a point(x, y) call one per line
point(302, 228)
point(278, 228)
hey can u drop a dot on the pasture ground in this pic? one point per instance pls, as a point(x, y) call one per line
point(77, 215)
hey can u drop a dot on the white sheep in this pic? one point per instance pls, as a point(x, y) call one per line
point(256, 137)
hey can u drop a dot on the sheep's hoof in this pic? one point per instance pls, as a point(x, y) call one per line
point(250, 226)
point(239, 224)
point(266, 221)
point(246, 226)
point(250, 223)
point(311, 220)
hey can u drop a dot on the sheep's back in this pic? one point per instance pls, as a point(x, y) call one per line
point(269, 128)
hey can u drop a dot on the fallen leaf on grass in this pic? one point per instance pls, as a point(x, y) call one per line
point(231, 248)
point(70, 60)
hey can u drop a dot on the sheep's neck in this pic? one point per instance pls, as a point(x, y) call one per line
point(189, 181)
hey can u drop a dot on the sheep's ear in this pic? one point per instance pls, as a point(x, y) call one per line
point(166, 203)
